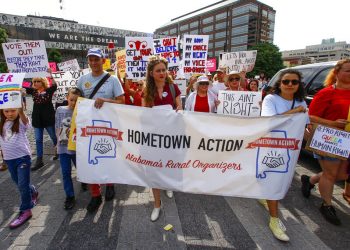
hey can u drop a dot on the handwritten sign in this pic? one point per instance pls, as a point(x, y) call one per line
point(10, 90)
point(238, 61)
point(211, 64)
point(27, 57)
point(53, 66)
point(167, 48)
point(107, 64)
point(181, 83)
point(65, 81)
point(195, 51)
point(70, 65)
point(138, 49)
point(330, 142)
point(239, 103)
point(120, 56)
point(347, 127)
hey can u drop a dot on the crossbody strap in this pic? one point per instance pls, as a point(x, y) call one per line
point(99, 84)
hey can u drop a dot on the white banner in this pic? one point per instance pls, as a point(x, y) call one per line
point(189, 152)
point(167, 48)
point(71, 65)
point(138, 49)
point(239, 103)
point(27, 57)
point(195, 52)
point(10, 90)
point(238, 61)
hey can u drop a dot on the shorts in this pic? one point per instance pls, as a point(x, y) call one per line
point(326, 158)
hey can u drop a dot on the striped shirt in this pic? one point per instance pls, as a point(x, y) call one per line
point(15, 145)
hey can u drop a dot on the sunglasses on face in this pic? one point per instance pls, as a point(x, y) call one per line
point(140, 84)
point(36, 81)
point(234, 79)
point(294, 82)
point(204, 83)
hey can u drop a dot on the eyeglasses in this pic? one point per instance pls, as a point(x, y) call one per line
point(37, 81)
point(203, 83)
point(287, 81)
point(234, 79)
point(139, 84)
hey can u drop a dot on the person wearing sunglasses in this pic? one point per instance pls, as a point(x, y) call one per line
point(202, 100)
point(287, 98)
point(233, 81)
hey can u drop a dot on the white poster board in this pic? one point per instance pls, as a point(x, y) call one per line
point(167, 48)
point(239, 103)
point(27, 57)
point(181, 83)
point(238, 61)
point(70, 65)
point(10, 90)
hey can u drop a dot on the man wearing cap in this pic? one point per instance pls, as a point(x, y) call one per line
point(220, 83)
point(110, 91)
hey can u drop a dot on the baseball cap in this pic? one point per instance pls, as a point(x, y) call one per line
point(95, 52)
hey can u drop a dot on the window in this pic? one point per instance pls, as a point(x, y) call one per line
point(172, 31)
point(318, 82)
point(194, 24)
point(239, 40)
point(264, 13)
point(217, 53)
point(271, 16)
point(220, 16)
point(239, 48)
point(240, 20)
point(219, 44)
point(210, 45)
point(207, 29)
point(220, 25)
point(244, 9)
point(207, 20)
point(183, 27)
point(240, 30)
point(194, 32)
point(220, 34)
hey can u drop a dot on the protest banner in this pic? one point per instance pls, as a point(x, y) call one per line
point(211, 64)
point(239, 103)
point(138, 49)
point(329, 141)
point(195, 51)
point(65, 81)
point(181, 83)
point(70, 65)
point(185, 153)
point(167, 48)
point(10, 90)
point(238, 61)
point(27, 57)
point(53, 66)
point(120, 56)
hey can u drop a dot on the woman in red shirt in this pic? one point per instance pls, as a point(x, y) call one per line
point(138, 93)
point(330, 107)
point(160, 90)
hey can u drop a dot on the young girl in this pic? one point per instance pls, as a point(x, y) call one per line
point(62, 125)
point(15, 146)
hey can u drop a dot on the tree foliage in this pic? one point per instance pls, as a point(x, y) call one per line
point(268, 60)
point(54, 55)
point(3, 39)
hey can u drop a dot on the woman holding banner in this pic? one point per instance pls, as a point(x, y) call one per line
point(43, 116)
point(330, 107)
point(233, 81)
point(160, 90)
point(288, 98)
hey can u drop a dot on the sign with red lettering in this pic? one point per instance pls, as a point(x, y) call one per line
point(211, 64)
point(70, 65)
point(10, 90)
point(138, 49)
point(167, 48)
point(195, 50)
point(27, 57)
point(53, 66)
point(120, 56)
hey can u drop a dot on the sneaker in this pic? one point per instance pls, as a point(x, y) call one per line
point(3, 166)
point(38, 164)
point(306, 186)
point(21, 219)
point(155, 214)
point(69, 203)
point(35, 195)
point(169, 194)
point(277, 230)
point(109, 195)
point(55, 157)
point(84, 186)
point(94, 204)
point(329, 214)
point(263, 202)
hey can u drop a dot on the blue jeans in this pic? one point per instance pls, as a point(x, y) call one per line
point(66, 167)
point(20, 173)
point(39, 134)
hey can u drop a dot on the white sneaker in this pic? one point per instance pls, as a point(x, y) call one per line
point(170, 194)
point(155, 214)
point(277, 230)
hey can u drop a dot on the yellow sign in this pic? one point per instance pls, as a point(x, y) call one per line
point(347, 127)
point(120, 56)
point(72, 140)
point(107, 64)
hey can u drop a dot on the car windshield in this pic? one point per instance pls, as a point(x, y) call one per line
point(305, 72)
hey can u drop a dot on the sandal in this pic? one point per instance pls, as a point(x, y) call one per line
point(346, 197)
point(3, 166)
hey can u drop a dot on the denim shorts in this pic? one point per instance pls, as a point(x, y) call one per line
point(326, 158)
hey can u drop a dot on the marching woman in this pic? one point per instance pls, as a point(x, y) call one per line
point(160, 90)
point(287, 98)
point(233, 81)
point(253, 85)
point(202, 100)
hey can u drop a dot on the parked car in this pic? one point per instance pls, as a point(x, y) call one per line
point(313, 77)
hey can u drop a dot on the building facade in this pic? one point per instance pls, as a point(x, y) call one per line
point(232, 25)
point(328, 50)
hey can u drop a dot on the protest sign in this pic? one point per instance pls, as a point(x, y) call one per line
point(195, 50)
point(185, 153)
point(138, 49)
point(167, 48)
point(53, 66)
point(239, 103)
point(211, 64)
point(27, 57)
point(107, 64)
point(10, 90)
point(331, 142)
point(65, 81)
point(347, 127)
point(120, 56)
point(181, 83)
point(238, 61)
point(70, 65)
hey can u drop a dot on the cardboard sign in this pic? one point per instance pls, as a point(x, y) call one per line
point(167, 48)
point(239, 103)
point(65, 81)
point(181, 83)
point(120, 56)
point(138, 49)
point(331, 142)
point(10, 90)
point(27, 57)
point(211, 64)
point(238, 61)
point(107, 64)
point(347, 127)
point(71, 65)
point(195, 51)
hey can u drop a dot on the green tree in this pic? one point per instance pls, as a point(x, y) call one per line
point(54, 55)
point(3, 39)
point(268, 60)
